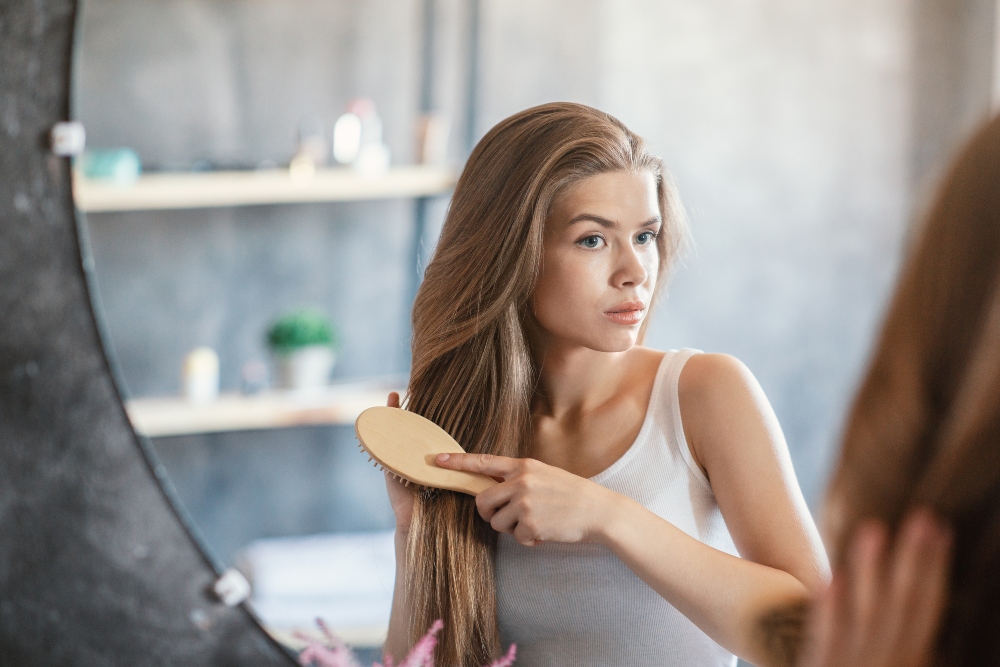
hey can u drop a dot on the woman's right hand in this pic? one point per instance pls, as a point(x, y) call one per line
point(400, 497)
point(884, 609)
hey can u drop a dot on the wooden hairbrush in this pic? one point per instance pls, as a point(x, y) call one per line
point(406, 444)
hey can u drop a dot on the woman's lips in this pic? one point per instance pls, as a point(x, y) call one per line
point(627, 313)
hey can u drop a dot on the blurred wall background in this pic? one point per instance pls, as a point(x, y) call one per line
point(804, 136)
point(201, 84)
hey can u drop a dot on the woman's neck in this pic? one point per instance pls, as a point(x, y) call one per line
point(574, 379)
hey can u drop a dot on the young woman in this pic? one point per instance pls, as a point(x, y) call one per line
point(631, 477)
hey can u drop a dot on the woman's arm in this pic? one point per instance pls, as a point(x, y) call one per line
point(885, 605)
point(397, 640)
point(723, 595)
point(734, 436)
point(736, 439)
point(782, 560)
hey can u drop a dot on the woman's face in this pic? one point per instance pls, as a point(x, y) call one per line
point(600, 261)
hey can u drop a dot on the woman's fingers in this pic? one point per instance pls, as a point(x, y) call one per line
point(505, 519)
point(488, 502)
point(485, 464)
point(525, 536)
point(393, 400)
point(900, 580)
point(508, 520)
point(918, 585)
point(884, 608)
point(864, 574)
point(934, 590)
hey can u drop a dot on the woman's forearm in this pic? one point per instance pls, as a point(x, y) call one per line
point(398, 637)
point(723, 595)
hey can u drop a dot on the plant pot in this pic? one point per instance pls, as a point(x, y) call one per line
point(305, 368)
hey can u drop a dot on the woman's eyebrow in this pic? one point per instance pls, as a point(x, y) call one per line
point(609, 224)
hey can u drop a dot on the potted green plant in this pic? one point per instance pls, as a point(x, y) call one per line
point(303, 343)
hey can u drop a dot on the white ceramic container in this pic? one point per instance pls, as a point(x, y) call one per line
point(306, 368)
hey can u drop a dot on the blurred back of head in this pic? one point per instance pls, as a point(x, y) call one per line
point(925, 426)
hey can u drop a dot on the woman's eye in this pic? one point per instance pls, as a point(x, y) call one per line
point(645, 237)
point(592, 242)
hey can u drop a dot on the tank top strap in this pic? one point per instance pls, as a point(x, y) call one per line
point(669, 401)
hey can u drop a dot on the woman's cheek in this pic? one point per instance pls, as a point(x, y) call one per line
point(568, 295)
point(585, 272)
point(653, 273)
point(583, 287)
point(561, 310)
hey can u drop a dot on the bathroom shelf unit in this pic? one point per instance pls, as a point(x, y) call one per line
point(338, 404)
point(161, 191)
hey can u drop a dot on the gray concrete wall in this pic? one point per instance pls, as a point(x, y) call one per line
point(952, 82)
point(801, 135)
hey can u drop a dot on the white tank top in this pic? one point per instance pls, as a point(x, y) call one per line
point(578, 605)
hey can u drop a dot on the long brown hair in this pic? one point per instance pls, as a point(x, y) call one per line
point(925, 427)
point(473, 372)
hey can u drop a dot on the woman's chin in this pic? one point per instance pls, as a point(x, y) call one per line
point(599, 337)
point(620, 341)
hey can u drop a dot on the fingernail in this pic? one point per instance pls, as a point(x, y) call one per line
point(441, 458)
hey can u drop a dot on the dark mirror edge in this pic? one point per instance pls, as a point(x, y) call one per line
point(82, 583)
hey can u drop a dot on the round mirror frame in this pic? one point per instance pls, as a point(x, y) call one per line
point(97, 564)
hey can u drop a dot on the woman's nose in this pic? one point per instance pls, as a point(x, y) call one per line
point(630, 271)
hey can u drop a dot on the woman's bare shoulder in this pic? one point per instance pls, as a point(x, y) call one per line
point(711, 381)
point(718, 396)
point(708, 375)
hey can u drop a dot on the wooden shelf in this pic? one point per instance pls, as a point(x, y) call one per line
point(270, 186)
point(337, 404)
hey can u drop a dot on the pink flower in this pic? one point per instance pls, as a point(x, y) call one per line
point(337, 654)
point(422, 653)
point(507, 660)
